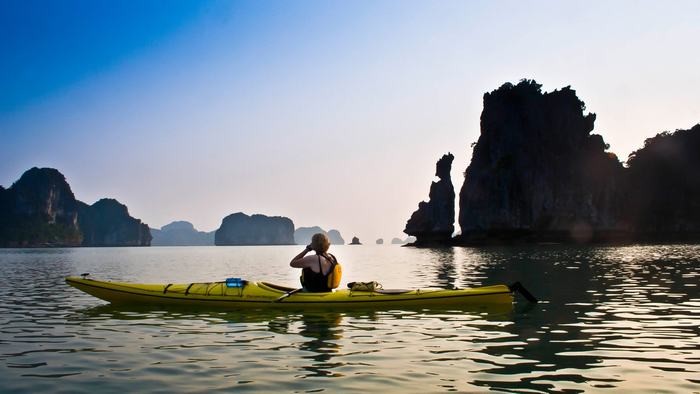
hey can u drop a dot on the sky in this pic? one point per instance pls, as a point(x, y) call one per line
point(331, 113)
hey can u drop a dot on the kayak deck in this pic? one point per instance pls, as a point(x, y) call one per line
point(264, 295)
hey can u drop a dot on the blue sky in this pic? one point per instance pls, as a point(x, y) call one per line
point(49, 45)
point(331, 113)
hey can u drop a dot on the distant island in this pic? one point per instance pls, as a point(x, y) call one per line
point(241, 229)
point(40, 210)
point(355, 241)
point(269, 232)
point(302, 235)
point(538, 174)
point(181, 233)
point(399, 241)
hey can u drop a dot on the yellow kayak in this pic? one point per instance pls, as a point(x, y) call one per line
point(264, 295)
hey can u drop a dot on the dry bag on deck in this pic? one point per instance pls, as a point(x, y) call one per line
point(364, 286)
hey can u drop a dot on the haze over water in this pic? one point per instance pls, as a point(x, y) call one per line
point(611, 319)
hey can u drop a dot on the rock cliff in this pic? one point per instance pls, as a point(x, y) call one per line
point(181, 233)
point(241, 229)
point(434, 220)
point(41, 210)
point(537, 173)
point(108, 223)
point(302, 235)
point(335, 237)
point(663, 187)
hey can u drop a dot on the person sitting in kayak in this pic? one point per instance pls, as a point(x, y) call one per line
point(320, 273)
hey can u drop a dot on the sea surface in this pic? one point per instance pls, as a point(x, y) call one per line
point(611, 319)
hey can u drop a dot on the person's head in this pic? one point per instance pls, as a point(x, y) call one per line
point(320, 243)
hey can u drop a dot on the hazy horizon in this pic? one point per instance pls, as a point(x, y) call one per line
point(332, 114)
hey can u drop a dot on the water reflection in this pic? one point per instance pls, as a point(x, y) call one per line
point(604, 309)
point(442, 269)
point(625, 318)
point(596, 298)
point(323, 333)
point(445, 268)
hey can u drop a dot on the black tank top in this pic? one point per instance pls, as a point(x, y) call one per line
point(317, 282)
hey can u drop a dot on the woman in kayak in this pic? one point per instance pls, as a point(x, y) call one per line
point(320, 273)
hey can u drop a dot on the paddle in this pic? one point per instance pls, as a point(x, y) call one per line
point(287, 294)
point(517, 286)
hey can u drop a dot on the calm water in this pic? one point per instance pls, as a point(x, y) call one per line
point(613, 319)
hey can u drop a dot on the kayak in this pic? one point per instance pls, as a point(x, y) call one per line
point(268, 295)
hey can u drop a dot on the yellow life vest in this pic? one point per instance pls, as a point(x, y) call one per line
point(335, 275)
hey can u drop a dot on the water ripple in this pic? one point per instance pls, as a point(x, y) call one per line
point(621, 318)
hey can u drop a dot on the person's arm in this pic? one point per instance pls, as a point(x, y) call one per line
point(298, 260)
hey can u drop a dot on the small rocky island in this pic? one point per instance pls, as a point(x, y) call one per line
point(181, 233)
point(241, 229)
point(335, 237)
point(355, 241)
point(302, 235)
point(433, 222)
point(40, 210)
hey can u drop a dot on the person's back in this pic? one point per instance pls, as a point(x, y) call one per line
point(317, 280)
point(320, 273)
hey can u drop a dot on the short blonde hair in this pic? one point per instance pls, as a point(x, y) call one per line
point(320, 243)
